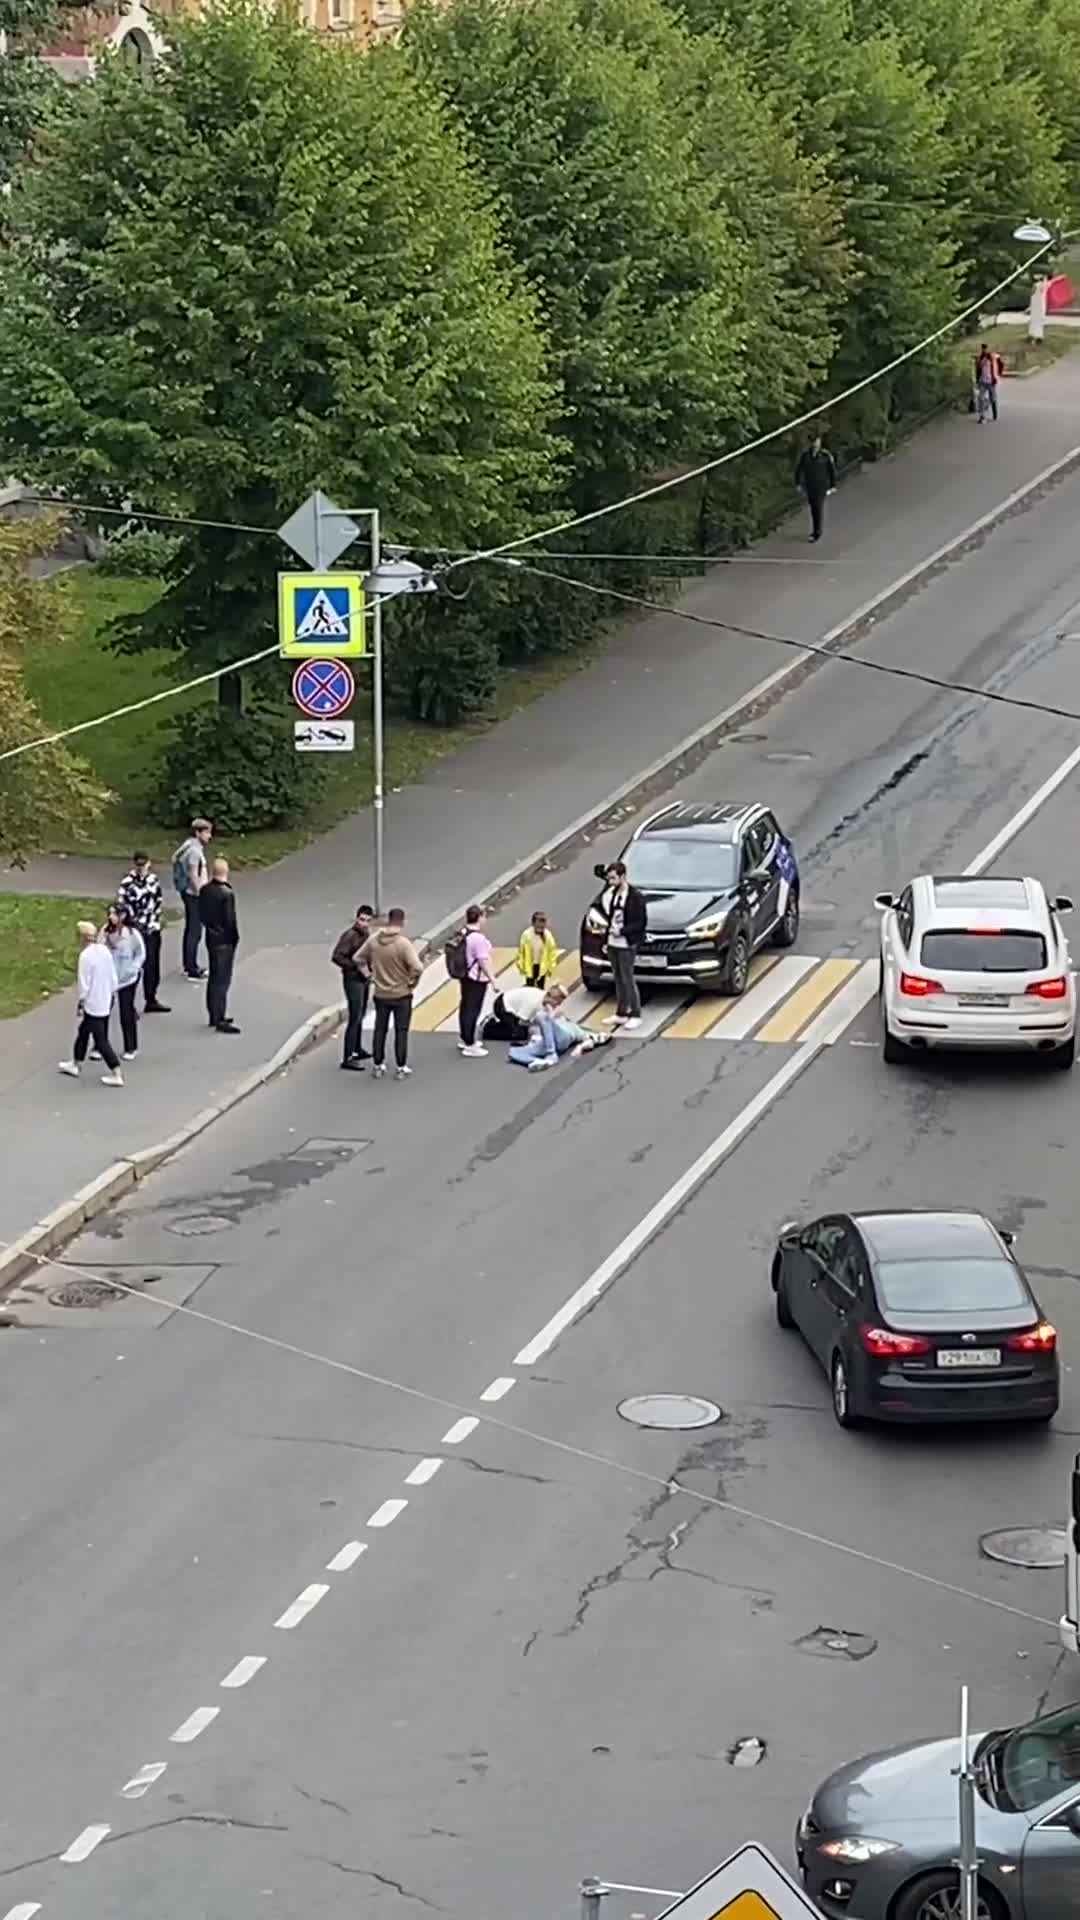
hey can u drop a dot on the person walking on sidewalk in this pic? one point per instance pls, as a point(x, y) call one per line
point(189, 879)
point(394, 966)
point(989, 368)
point(128, 950)
point(97, 991)
point(479, 975)
point(815, 476)
point(141, 893)
point(627, 916)
point(537, 955)
point(356, 980)
point(217, 913)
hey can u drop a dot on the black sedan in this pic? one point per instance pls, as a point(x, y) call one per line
point(917, 1316)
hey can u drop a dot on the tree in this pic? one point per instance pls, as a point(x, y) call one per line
point(28, 89)
point(51, 789)
point(268, 265)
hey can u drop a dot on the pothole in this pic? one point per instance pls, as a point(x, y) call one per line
point(84, 1293)
point(676, 1411)
point(191, 1225)
point(1026, 1546)
point(836, 1643)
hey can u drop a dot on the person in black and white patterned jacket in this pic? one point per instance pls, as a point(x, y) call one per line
point(140, 892)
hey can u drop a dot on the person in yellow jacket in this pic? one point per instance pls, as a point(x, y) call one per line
point(537, 954)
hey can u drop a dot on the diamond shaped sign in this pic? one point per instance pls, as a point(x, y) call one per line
point(318, 531)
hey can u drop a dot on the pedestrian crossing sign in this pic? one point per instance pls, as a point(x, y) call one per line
point(321, 615)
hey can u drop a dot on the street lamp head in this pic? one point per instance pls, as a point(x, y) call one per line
point(1033, 231)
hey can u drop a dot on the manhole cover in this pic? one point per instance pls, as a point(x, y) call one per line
point(194, 1224)
point(84, 1293)
point(675, 1410)
point(1026, 1546)
point(837, 1643)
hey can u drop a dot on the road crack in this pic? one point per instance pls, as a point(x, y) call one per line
point(381, 1879)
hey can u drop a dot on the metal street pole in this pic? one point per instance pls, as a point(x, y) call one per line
point(377, 710)
point(592, 1892)
point(968, 1860)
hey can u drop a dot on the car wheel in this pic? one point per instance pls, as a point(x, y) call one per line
point(937, 1897)
point(787, 932)
point(892, 1050)
point(783, 1305)
point(840, 1390)
point(1063, 1058)
point(737, 970)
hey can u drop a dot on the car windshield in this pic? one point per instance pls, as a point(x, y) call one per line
point(1039, 1761)
point(958, 950)
point(948, 1286)
point(681, 865)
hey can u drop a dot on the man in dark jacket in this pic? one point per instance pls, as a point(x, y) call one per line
point(217, 912)
point(356, 980)
point(815, 475)
point(626, 914)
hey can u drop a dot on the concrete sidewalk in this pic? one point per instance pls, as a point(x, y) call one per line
point(489, 808)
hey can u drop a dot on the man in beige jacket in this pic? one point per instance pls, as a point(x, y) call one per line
point(395, 970)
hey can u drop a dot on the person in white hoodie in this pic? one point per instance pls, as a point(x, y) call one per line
point(97, 991)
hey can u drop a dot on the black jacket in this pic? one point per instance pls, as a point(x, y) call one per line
point(217, 911)
point(815, 473)
point(635, 914)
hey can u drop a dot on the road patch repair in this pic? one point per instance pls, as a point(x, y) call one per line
point(48, 1235)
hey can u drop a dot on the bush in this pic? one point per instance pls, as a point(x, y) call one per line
point(444, 664)
point(239, 768)
point(141, 553)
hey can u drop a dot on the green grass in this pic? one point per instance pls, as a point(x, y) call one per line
point(1020, 354)
point(83, 677)
point(40, 947)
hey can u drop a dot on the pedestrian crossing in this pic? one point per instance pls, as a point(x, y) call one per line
point(791, 998)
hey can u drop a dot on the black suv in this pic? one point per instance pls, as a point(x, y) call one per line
point(720, 882)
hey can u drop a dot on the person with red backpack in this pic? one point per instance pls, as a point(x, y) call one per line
point(989, 369)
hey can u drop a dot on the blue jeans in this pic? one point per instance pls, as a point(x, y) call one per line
point(548, 1039)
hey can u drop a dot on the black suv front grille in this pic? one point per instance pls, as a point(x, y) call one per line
point(665, 943)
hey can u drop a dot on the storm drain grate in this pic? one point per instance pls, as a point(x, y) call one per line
point(84, 1293)
point(329, 1149)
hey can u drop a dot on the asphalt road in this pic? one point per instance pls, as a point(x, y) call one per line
point(536, 1669)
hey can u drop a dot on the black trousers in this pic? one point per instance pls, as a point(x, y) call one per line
point(218, 981)
point(151, 965)
point(189, 946)
point(357, 989)
point(129, 1017)
point(400, 1012)
point(95, 1027)
point(816, 504)
point(501, 1024)
point(473, 995)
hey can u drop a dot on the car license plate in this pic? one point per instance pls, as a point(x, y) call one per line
point(973, 1357)
point(651, 960)
point(983, 999)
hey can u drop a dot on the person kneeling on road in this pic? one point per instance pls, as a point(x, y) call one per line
point(551, 1036)
point(512, 1015)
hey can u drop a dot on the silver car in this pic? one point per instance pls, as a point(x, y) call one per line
point(879, 1837)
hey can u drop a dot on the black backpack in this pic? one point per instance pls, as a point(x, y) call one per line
point(456, 956)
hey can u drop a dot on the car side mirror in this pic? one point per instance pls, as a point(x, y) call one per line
point(600, 872)
point(883, 901)
point(1007, 1235)
point(1063, 904)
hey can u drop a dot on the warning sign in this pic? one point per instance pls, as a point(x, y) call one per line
point(749, 1886)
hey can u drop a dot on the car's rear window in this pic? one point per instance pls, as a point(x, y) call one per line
point(681, 865)
point(1013, 950)
point(948, 1286)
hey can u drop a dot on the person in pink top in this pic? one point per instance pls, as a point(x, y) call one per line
point(479, 976)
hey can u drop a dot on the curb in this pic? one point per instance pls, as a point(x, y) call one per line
point(23, 1255)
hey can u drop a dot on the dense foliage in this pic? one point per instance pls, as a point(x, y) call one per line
point(509, 269)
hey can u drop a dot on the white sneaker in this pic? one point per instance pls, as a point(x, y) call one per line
point(69, 1067)
point(378, 1072)
point(131, 1056)
point(402, 1073)
point(631, 1026)
point(538, 1066)
point(475, 1052)
point(614, 1019)
point(112, 1079)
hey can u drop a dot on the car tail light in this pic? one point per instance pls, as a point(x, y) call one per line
point(1040, 1339)
point(892, 1346)
point(1048, 989)
point(916, 984)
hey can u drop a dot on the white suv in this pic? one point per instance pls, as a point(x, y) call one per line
point(976, 963)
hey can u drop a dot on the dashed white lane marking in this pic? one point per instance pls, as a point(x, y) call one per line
point(83, 1845)
point(302, 1606)
point(195, 1724)
point(348, 1557)
point(423, 1471)
point(497, 1388)
point(25, 1911)
point(142, 1781)
point(389, 1511)
point(244, 1670)
point(460, 1430)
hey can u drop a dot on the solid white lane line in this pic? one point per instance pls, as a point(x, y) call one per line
point(424, 1471)
point(1023, 814)
point(742, 1017)
point(244, 1670)
point(667, 1205)
point(142, 1781)
point(24, 1911)
point(388, 1512)
point(195, 1724)
point(460, 1431)
point(498, 1388)
point(348, 1557)
point(834, 1019)
point(301, 1607)
point(83, 1845)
